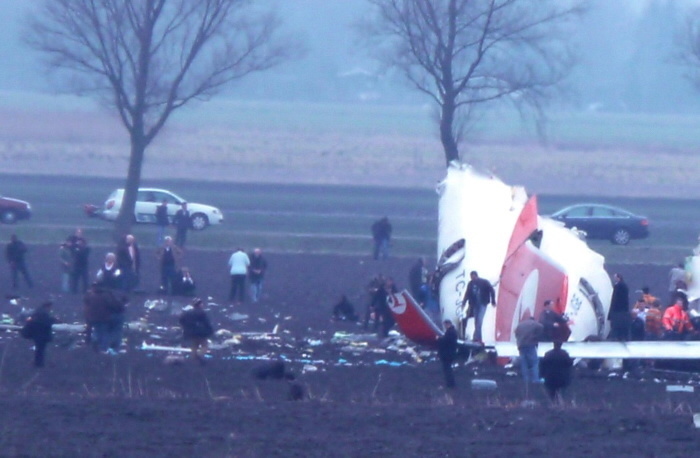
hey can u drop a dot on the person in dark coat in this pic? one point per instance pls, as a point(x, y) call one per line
point(15, 252)
point(105, 314)
point(447, 350)
point(168, 255)
point(555, 324)
point(196, 329)
point(619, 314)
point(80, 252)
point(375, 284)
point(383, 315)
point(129, 262)
point(256, 274)
point(555, 368)
point(38, 328)
point(97, 315)
point(381, 234)
point(182, 224)
point(162, 221)
point(479, 294)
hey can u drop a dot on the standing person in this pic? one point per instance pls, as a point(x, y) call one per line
point(109, 276)
point(238, 265)
point(555, 325)
point(117, 317)
point(619, 314)
point(38, 328)
point(129, 262)
point(256, 274)
point(162, 221)
point(417, 277)
point(168, 257)
point(182, 223)
point(66, 263)
point(97, 315)
point(527, 335)
point(381, 233)
point(381, 307)
point(15, 251)
point(196, 329)
point(479, 295)
point(447, 350)
point(81, 255)
point(556, 368)
point(375, 284)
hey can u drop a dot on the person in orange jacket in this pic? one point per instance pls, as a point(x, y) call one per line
point(676, 321)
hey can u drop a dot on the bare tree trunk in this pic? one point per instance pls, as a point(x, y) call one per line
point(125, 220)
point(447, 137)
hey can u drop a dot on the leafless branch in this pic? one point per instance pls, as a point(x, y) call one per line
point(467, 53)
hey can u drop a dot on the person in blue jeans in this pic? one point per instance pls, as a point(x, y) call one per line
point(381, 233)
point(527, 335)
point(479, 295)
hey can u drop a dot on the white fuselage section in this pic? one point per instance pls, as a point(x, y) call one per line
point(484, 212)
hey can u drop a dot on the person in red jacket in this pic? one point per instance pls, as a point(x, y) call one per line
point(676, 321)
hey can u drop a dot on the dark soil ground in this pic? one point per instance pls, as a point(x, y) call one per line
point(363, 397)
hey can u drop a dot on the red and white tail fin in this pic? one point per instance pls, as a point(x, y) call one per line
point(528, 278)
point(412, 319)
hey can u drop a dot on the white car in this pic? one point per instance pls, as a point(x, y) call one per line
point(149, 198)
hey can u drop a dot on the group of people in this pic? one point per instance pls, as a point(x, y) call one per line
point(241, 266)
point(554, 370)
point(647, 319)
point(182, 222)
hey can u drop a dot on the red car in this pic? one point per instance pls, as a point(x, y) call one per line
point(12, 210)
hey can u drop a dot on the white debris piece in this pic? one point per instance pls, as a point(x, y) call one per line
point(483, 384)
point(680, 389)
point(159, 305)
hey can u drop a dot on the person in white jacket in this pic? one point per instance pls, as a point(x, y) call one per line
point(238, 268)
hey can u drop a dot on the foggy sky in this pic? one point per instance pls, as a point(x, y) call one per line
point(626, 59)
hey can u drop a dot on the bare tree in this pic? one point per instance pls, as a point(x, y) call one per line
point(147, 58)
point(466, 53)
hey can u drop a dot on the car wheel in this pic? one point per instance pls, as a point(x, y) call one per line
point(621, 237)
point(199, 221)
point(8, 217)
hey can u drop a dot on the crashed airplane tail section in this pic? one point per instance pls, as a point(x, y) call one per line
point(412, 319)
point(528, 276)
point(489, 227)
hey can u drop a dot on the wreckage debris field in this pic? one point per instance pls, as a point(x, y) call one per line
point(362, 397)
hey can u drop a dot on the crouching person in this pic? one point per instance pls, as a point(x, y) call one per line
point(676, 321)
point(38, 329)
point(196, 329)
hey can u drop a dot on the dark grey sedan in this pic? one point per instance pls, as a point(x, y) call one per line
point(604, 222)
